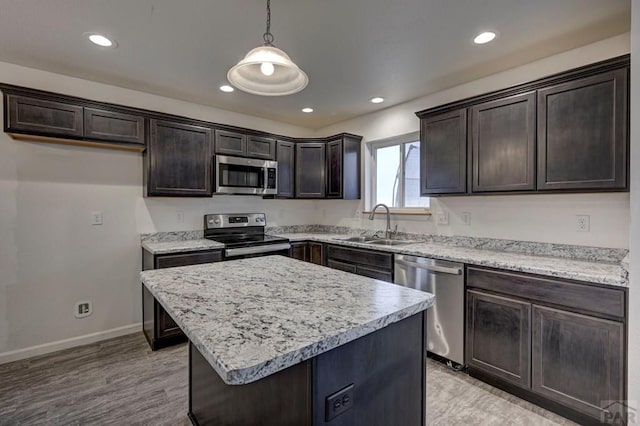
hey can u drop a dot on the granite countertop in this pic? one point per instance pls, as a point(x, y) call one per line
point(581, 270)
point(253, 317)
point(165, 247)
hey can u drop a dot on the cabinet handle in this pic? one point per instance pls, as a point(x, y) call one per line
point(431, 268)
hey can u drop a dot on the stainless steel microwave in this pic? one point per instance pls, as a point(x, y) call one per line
point(236, 175)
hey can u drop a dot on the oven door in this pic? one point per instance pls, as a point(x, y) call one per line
point(235, 175)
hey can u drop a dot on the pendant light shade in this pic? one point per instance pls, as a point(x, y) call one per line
point(267, 70)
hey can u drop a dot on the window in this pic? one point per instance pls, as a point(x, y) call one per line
point(395, 174)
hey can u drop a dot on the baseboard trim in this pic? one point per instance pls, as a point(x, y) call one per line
point(59, 345)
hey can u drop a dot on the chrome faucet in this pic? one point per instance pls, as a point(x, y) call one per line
point(387, 232)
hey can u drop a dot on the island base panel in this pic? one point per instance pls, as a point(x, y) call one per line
point(282, 398)
point(386, 368)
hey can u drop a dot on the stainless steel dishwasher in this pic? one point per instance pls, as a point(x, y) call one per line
point(445, 319)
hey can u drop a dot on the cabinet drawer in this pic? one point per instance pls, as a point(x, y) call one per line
point(174, 260)
point(586, 297)
point(361, 257)
point(30, 115)
point(113, 126)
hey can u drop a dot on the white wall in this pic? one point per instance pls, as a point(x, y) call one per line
point(543, 218)
point(634, 235)
point(50, 254)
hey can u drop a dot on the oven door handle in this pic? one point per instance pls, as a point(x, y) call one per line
point(256, 249)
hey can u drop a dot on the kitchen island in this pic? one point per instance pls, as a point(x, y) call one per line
point(274, 340)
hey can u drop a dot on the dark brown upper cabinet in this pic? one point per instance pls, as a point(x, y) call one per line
point(43, 117)
point(503, 144)
point(582, 133)
point(113, 126)
point(443, 153)
point(310, 170)
point(568, 132)
point(285, 156)
point(230, 143)
point(343, 168)
point(179, 160)
point(261, 147)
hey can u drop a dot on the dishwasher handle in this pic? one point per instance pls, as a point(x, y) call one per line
point(431, 268)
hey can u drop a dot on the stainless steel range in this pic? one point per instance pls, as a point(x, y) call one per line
point(243, 235)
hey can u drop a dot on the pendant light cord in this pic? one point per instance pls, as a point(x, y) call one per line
point(267, 36)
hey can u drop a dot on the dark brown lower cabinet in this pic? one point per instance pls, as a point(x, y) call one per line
point(158, 326)
point(499, 336)
point(308, 251)
point(558, 343)
point(369, 263)
point(577, 360)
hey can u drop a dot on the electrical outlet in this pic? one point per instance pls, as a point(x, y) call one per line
point(83, 309)
point(96, 218)
point(180, 216)
point(443, 218)
point(582, 223)
point(358, 214)
point(466, 218)
point(338, 403)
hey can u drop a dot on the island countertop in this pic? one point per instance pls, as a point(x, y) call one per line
point(253, 317)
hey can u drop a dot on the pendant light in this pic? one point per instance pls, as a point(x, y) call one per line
point(267, 70)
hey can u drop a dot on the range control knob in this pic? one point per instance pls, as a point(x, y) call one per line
point(216, 221)
point(259, 219)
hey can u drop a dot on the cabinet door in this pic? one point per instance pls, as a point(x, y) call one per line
point(316, 253)
point(180, 159)
point(443, 153)
point(261, 147)
point(310, 170)
point(582, 133)
point(503, 137)
point(334, 169)
point(378, 274)
point(299, 251)
point(42, 117)
point(285, 155)
point(577, 360)
point(230, 143)
point(499, 337)
point(165, 325)
point(113, 126)
point(351, 149)
point(347, 267)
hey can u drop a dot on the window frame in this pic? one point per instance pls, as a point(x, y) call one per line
point(371, 170)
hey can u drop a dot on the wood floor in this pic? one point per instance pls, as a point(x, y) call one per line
point(121, 382)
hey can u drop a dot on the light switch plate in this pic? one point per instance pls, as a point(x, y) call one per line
point(96, 218)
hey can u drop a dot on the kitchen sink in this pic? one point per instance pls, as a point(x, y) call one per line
point(357, 239)
point(387, 242)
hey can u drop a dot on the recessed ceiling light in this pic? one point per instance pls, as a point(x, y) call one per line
point(307, 110)
point(377, 100)
point(101, 40)
point(226, 88)
point(484, 37)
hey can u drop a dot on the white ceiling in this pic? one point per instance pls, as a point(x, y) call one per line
point(352, 50)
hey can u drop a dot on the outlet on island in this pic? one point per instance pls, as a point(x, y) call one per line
point(339, 402)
